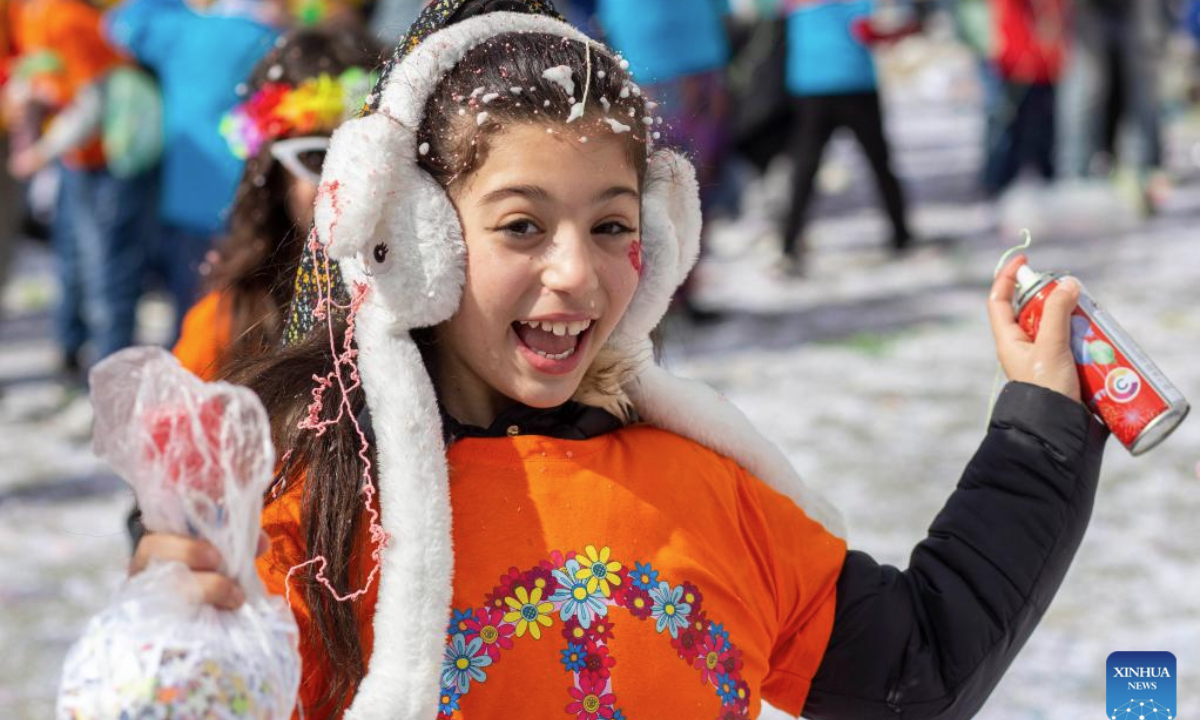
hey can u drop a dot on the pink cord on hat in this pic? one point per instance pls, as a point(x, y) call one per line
point(345, 358)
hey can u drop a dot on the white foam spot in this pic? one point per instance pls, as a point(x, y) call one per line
point(647, 121)
point(515, 89)
point(617, 126)
point(625, 92)
point(576, 112)
point(657, 135)
point(275, 72)
point(462, 111)
point(605, 103)
point(423, 149)
point(545, 103)
point(481, 118)
point(560, 75)
point(601, 74)
point(489, 97)
point(624, 64)
point(583, 139)
point(477, 92)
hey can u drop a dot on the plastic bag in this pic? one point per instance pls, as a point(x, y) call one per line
point(199, 458)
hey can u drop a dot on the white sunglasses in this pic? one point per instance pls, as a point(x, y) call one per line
point(302, 156)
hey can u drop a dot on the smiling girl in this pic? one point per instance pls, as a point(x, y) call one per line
point(494, 504)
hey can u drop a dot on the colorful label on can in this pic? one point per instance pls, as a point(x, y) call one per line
point(1111, 385)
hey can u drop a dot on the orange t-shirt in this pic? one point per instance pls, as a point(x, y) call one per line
point(204, 336)
point(635, 574)
point(70, 29)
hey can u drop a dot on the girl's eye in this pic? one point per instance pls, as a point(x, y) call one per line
point(612, 228)
point(522, 228)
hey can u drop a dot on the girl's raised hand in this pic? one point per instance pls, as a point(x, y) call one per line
point(1048, 361)
point(201, 557)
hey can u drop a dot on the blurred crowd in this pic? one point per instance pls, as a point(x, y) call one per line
point(176, 145)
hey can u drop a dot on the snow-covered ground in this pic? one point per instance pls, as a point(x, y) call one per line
point(872, 374)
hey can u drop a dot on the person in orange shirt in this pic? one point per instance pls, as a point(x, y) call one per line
point(493, 503)
point(102, 222)
point(298, 93)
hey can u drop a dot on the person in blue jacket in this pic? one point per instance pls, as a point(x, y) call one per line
point(200, 56)
point(831, 80)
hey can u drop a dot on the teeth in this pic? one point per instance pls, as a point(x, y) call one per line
point(558, 328)
point(561, 356)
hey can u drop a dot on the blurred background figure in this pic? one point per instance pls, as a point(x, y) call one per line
point(100, 226)
point(1110, 96)
point(11, 200)
point(297, 95)
point(678, 51)
point(832, 82)
point(1029, 51)
point(390, 19)
point(201, 55)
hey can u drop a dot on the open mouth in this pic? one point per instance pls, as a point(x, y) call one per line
point(552, 345)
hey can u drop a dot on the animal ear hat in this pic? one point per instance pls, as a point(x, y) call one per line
point(397, 238)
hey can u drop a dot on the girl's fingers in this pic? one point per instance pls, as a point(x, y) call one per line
point(1000, 310)
point(218, 590)
point(1054, 331)
point(198, 555)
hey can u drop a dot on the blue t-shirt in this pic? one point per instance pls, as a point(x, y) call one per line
point(823, 56)
point(200, 60)
point(666, 39)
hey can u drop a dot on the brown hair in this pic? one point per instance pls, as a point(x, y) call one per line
point(332, 510)
point(258, 257)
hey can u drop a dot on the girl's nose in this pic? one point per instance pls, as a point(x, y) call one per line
point(569, 264)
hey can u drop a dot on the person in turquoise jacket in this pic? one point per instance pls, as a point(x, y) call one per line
point(831, 81)
point(200, 56)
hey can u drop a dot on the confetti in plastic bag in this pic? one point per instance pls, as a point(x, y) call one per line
point(199, 458)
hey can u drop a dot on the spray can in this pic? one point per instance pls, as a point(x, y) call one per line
point(1118, 381)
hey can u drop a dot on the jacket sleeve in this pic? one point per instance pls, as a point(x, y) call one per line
point(933, 641)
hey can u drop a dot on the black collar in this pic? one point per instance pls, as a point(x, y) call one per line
point(569, 421)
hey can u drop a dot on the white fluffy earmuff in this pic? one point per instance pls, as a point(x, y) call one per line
point(671, 224)
point(389, 224)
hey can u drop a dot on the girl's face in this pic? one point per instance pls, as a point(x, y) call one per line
point(550, 225)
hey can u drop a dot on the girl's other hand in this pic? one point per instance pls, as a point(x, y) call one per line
point(201, 557)
point(1047, 361)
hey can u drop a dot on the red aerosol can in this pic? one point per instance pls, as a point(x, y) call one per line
point(1119, 382)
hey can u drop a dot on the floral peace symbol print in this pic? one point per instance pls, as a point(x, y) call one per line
point(571, 595)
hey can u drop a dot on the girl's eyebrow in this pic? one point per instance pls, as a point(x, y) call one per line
point(530, 192)
point(616, 191)
point(535, 192)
